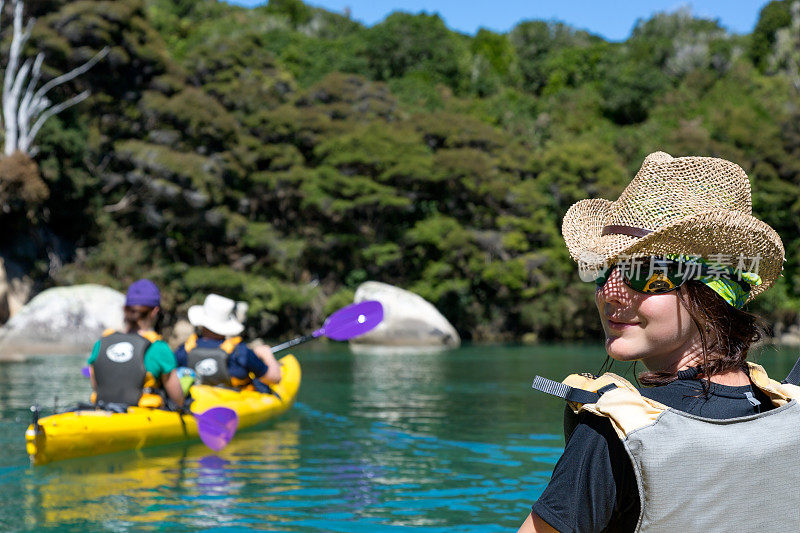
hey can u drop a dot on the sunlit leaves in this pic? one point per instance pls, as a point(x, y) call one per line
point(284, 154)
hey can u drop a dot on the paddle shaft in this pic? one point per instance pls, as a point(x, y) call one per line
point(346, 323)
point(293, 342)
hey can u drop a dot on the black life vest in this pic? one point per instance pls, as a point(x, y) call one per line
point(211, 364)
point(119, 368)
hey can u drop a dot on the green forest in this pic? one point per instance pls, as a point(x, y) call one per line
point(284, 154)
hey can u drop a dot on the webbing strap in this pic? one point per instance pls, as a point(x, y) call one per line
point(571, 394)
point(616, 229)
point(794, 374)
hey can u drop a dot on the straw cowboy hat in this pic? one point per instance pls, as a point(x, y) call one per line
point(677, 205)
point(218, 314)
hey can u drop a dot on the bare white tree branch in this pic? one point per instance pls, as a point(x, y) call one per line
point(58, 108)
point(20, 109)
point(19, 79)
point(10, 99)
point(2, 120)
point(25, 104)
point(36, 73)
point(123, 203)
point(74, 73)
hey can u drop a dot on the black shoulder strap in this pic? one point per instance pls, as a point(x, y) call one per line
point(571, 394)
point(794, 375)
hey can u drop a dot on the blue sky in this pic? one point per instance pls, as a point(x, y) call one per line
point(612, 20)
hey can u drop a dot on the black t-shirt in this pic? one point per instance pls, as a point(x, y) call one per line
point(593, 487)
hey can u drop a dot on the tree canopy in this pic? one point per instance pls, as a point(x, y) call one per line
point(284, 154)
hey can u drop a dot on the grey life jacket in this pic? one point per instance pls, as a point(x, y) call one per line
point(210, 364)
point(119, 368)
point(701, 474)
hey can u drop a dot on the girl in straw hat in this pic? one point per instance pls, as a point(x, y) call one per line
point(709, 443)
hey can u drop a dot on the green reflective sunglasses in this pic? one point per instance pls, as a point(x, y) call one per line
point(654, 275)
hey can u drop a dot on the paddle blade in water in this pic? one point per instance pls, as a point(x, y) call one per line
point(353, 320)
point(217, 426)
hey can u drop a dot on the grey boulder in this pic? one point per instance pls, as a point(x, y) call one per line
point(408, 320)
point(62, 320)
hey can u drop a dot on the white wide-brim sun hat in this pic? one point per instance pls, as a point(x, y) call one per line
point(217, 314)
point(697, 206)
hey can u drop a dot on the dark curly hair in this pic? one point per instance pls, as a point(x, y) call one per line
point(133, 314)
point(726, 333)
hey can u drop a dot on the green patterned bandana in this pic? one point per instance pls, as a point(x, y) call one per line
point(662, 274)
point(724, 281)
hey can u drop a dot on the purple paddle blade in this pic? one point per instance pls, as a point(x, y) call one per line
point(217, 426)
point(85, 372)
point(352, 321)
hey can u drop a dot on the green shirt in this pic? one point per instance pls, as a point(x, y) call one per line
point(158, 359)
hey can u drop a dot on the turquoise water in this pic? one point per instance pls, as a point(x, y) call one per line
point(443, 442)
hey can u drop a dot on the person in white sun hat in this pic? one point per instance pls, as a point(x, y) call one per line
point(218, 356)
point(707, 442)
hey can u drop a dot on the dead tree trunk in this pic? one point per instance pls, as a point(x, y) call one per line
point(25, 108)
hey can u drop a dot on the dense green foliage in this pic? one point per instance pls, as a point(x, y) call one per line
point(285, 154)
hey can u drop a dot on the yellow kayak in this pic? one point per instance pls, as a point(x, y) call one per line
point(90, 432)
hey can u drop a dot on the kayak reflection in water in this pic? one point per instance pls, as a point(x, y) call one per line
point(135, 367)
point(218, 355)
point(709, 442)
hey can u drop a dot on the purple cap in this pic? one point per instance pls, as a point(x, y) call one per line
point(143, 292)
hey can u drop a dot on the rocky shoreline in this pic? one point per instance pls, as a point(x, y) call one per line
point(68, 320)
